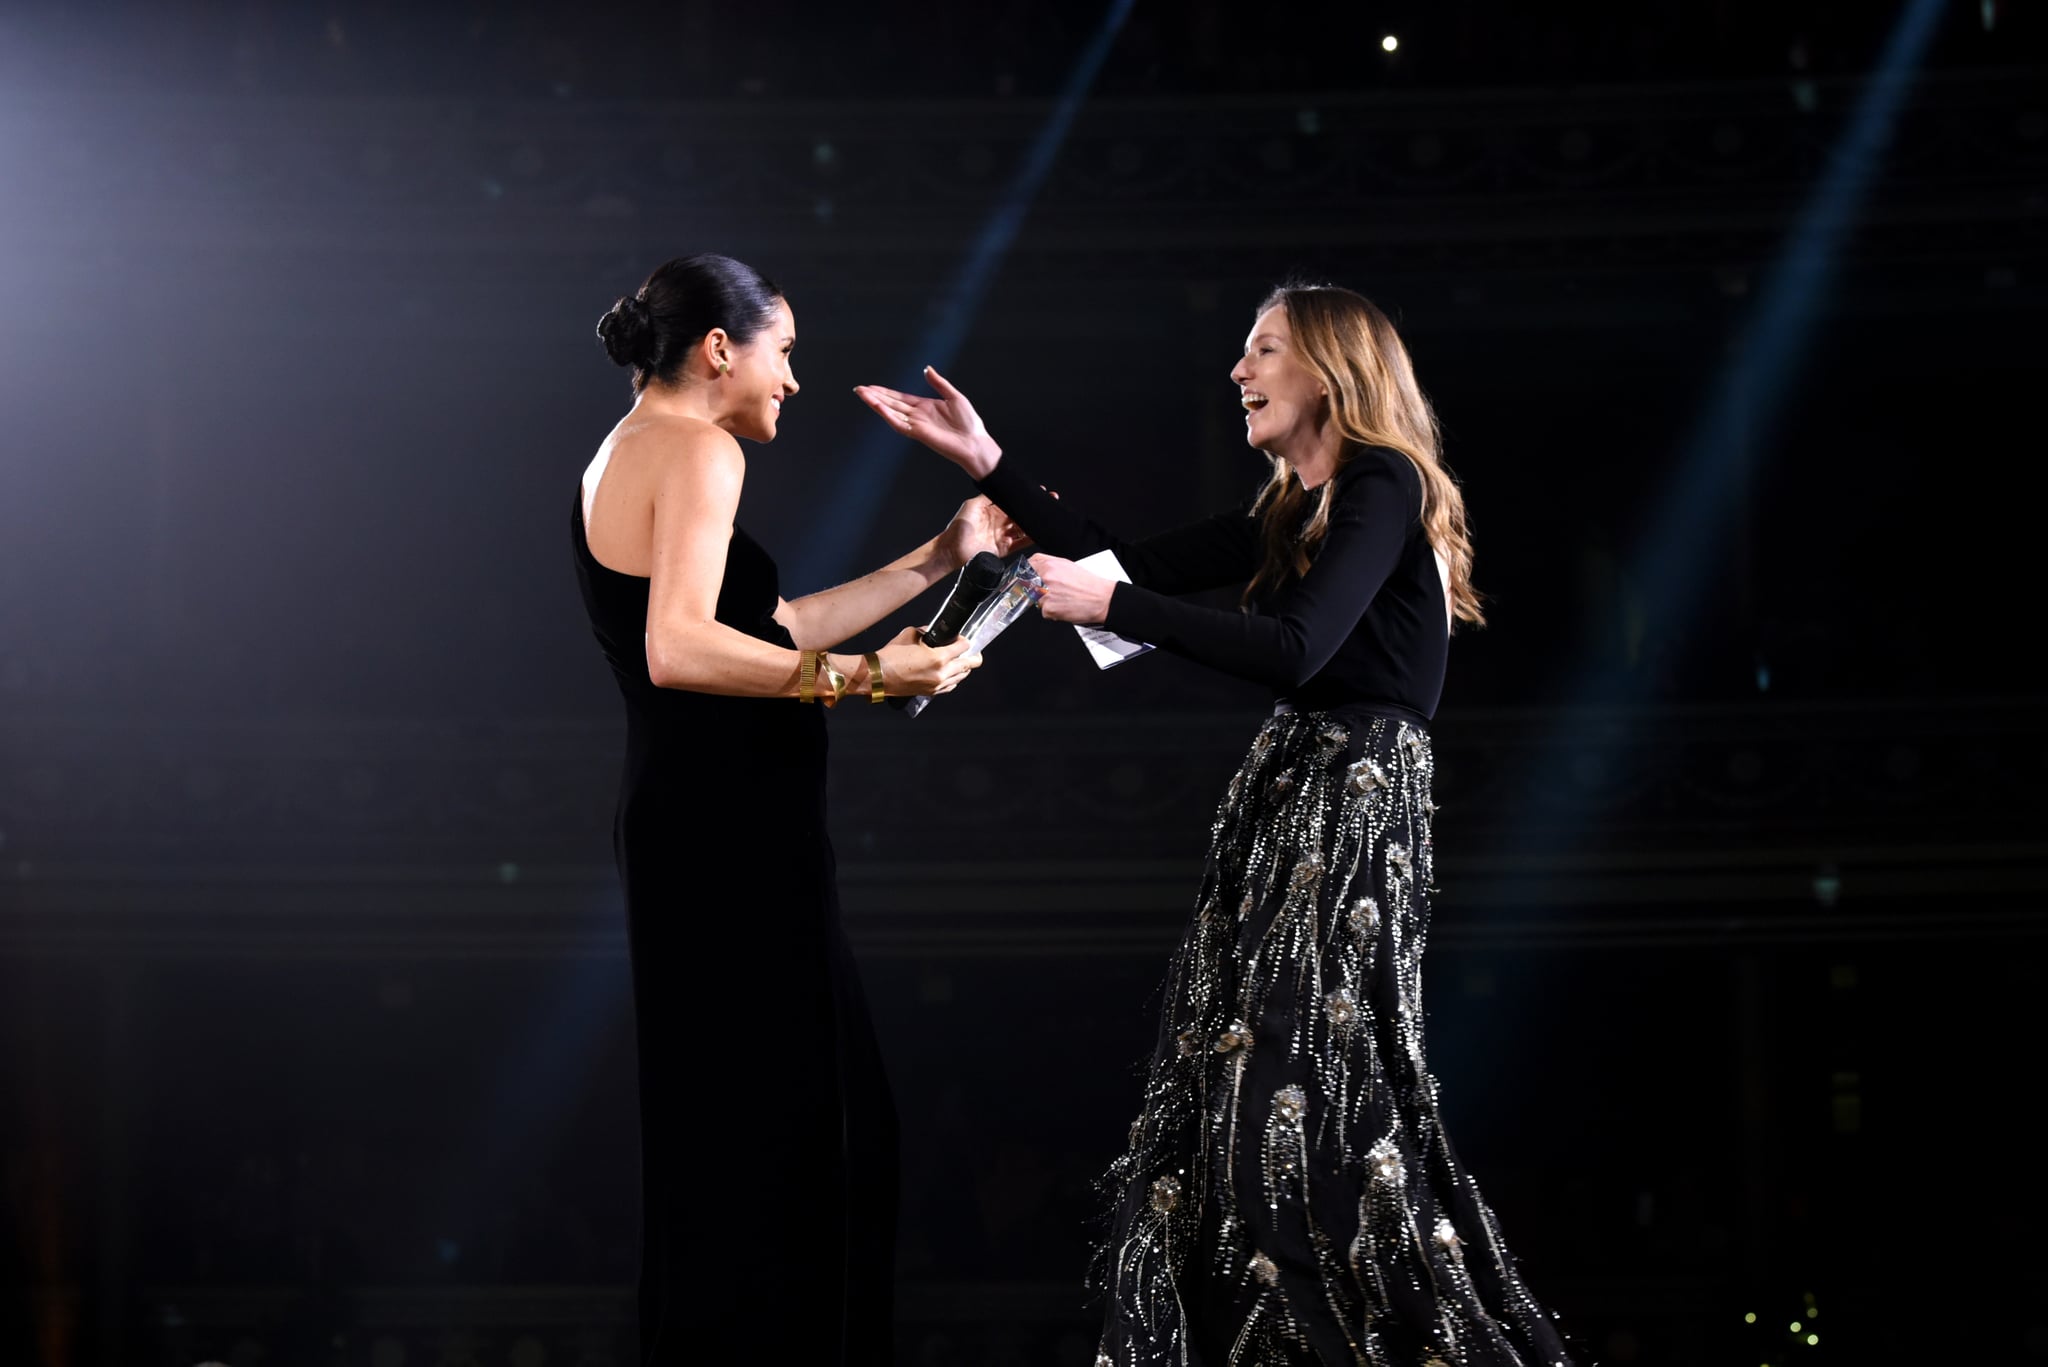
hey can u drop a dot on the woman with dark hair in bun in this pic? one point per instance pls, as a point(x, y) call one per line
point(768, 1139)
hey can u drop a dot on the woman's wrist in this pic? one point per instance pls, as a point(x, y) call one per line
point(982, 461)
point(825, 680)
point(1107, 603)
point(859, 676)
point(940, 559)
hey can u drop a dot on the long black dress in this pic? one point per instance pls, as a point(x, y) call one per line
point(1288, 1194)
point(768, 1137)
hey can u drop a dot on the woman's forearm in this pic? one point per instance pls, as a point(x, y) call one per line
point(821, 620)
point(710, 657)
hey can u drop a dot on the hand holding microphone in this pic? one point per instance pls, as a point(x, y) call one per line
point(912, 670)
point(978, 578)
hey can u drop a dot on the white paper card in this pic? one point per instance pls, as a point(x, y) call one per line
point(1107, 648)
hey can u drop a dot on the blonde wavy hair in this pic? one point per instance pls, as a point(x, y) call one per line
point(1352, 347)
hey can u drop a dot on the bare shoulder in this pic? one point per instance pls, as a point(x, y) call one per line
point(659, 439)
point(658, 470)
point(680, 453)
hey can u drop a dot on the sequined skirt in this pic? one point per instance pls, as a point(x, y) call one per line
point(1288, 1194)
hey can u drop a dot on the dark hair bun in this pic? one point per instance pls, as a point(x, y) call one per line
point(627, 330)
point(653, 329)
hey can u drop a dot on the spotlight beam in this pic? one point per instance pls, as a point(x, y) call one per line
point(1674, 567)
point(844, 519)
point(1749, 393)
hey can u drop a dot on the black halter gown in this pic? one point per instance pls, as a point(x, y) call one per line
point(768, 1137)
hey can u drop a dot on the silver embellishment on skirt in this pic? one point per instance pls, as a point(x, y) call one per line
point(1365, 917)
point(1308, 870)
point(1365, 776)
point(1323, 1148)
point(1342, 1008)
point(1384, 1159)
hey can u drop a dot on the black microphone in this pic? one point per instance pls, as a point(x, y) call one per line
point(978, 579)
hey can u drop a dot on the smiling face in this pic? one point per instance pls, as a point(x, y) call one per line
point(750, 397)
point(1283, 399)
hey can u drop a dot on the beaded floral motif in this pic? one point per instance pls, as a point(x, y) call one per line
point(1365, 776)
point(1341, 1007)
point(1308, 870)
point(1414, 743)
point(1365, 917)
point(1384, 1160)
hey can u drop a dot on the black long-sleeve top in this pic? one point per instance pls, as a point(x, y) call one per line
point(1364, 626)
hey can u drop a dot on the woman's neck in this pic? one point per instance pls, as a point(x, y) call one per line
point(677, 401)
point(1316, 461)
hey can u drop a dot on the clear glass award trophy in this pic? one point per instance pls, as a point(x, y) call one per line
point(1018, 593)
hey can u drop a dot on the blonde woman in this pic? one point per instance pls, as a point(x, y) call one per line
point(1288, 1194)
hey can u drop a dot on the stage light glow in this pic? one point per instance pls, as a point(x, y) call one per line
point(1750, 1318)
point(1684, 531)
point(1389, 43)
point(1687, 525)
point(1813, 1340)
point(1796, 1326)
point(848, 511)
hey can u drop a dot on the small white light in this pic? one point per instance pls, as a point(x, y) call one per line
point(1389, 43)
point(1813, 1340)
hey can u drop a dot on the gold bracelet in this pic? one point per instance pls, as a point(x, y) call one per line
point(878, 688)
point(833, 677)
point(807, 675)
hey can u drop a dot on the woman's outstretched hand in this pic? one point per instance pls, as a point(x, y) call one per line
point(979, 526)
point(912, 669)
point(1072, 594)
point(947, 424)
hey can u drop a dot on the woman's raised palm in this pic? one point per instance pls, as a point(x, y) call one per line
point(947, 424)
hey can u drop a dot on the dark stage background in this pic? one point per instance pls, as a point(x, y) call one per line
point(314, 1036)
